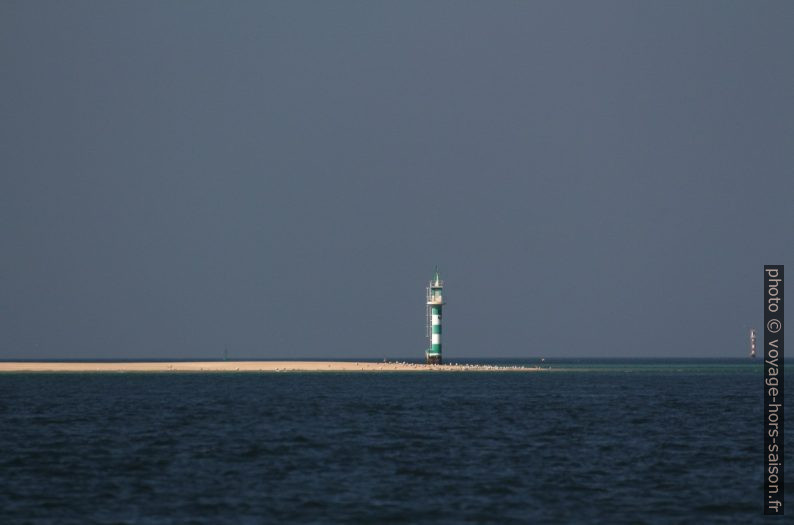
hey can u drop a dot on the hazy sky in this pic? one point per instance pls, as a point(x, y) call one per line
point(593, 178)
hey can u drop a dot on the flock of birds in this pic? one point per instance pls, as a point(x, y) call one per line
point(464, 366)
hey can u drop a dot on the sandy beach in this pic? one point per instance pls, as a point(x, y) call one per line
point(250, 366)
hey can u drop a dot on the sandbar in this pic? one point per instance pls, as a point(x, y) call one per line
point(251, 366)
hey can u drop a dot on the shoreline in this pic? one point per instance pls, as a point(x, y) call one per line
point(252, 366)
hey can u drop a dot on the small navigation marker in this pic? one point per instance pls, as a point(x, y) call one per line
point(752, 343)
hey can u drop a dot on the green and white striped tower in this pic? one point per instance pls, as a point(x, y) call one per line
point(435, 302)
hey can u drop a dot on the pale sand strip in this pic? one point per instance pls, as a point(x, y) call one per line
point(250, 366)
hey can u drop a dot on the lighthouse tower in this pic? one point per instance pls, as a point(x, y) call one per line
point(435, 302)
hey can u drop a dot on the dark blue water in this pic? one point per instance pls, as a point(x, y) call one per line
point(619, 442)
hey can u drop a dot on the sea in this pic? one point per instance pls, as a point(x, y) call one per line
point(585, 441)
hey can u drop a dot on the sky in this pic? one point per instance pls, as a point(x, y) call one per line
point(279, 179)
